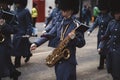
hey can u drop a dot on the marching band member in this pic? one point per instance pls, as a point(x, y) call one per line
point(7, 69)
point(21, 38)
point(53, 14)
point(111, 39)
point(65, 69)
point(101, 21)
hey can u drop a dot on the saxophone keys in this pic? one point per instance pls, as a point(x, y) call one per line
point(56, 56)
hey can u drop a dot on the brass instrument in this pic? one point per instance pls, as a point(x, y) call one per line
point(61, 51)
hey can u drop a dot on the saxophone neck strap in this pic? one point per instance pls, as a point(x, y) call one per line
point(63, 31)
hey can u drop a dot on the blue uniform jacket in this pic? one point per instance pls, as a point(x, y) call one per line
point(111, 39)
point(54, 13)
point(55, 32)
point(57, 18)
point(21, 44)
point(101, 21)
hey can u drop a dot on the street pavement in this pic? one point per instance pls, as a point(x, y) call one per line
point(87, 57)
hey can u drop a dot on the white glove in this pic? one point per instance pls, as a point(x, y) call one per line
point(98, 49)
point(71, 35)
point(43, 31)
point(88, 33)
point(44, 25)
point(33, 46)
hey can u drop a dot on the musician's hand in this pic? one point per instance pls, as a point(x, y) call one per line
point(2, 22)
point(88, 33)
point(99, 50)
point(33, 46)
point(44, 31)
point(44, 25)
point(71, 35)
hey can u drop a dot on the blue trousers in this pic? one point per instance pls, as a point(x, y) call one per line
point(65, 71)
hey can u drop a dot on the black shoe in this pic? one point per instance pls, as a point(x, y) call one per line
point(28, 58)
point(15, 75)
point(34, 35)
point(100, 67)
point(17, 65)
point(17, 61)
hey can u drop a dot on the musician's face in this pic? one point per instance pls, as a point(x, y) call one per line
point(117, 16)
point(67, 13)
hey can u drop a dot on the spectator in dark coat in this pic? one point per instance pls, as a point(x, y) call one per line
point(6, 29)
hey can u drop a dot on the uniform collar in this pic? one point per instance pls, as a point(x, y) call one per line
point(67, 21)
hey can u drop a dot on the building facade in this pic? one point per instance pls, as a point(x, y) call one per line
point(43, 7)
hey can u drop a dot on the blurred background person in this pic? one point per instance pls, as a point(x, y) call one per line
point(89, 16)
point(53, 14)
point(50, 10)
point(21, 41)
point(84, 11)
point(56, 17)
point(7, 27)
point(86, 15)
point(112, 41)
point(34, 18)
point(101, 22)
point(96, 12)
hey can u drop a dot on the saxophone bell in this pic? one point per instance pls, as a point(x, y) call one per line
point(54, 58)
point(66, 54)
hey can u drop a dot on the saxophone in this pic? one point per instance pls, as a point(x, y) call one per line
point(61, 51)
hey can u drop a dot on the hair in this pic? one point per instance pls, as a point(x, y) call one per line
point(50, 7)
point(69, 5)
point(114, 6)
point(57, 1)
point(103, 4)
point(9, 2)
point(23, 3)
point(34, 4)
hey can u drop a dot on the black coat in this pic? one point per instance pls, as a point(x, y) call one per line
point(6, 48)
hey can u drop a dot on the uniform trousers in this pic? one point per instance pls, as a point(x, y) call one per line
point(65, 71)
